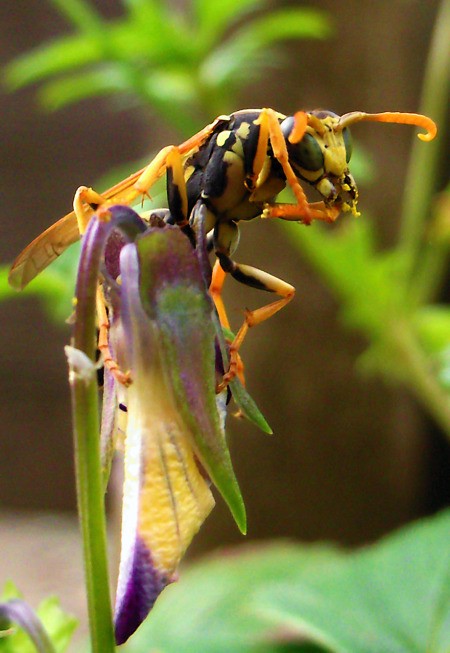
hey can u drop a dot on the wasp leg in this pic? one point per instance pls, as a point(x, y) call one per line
point(256, 279)
point(215, 290)
point(302, 211)
point(158, 166)
point(318, 210)
point(83, 196)
point(103, 345)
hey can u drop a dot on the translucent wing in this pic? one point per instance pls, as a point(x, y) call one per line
point(53, 241)
point(44, 249)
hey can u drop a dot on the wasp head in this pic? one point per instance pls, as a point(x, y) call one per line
point(321, 157)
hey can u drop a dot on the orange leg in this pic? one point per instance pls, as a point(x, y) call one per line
point(86, 196)
point(158, 166)
point(103, 344)
point(303, 210)
point(260, 279)
point(215, 290)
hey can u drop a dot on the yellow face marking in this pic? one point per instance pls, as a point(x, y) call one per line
point(331, 143)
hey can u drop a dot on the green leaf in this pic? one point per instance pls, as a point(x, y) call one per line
point(214, 18)
point(105, 80)
point(60, 626)
point(290, 23)
point(433, 326)
point(230, 62)
point(81, 14)
point(394, 596)
point(60, 56)
point(54, 286)
point(391, 597)
point(57, 624)
point(210, 609)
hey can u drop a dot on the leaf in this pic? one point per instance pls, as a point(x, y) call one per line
point(433, 325)
point(290, 23)
point(58, 626)
point(105, 80)
point(394, 596)
point(213, 18)
point(62, 55)
point(54, 286)
point(210, 610)
point(81, 14)
point(391, 597)
point(229, 62)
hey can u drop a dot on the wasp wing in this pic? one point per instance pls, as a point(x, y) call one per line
point(44, 249)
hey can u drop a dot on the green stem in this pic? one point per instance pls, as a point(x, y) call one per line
point(85, 410)
point(423, 172)
point(419, 376)
point(92, 513)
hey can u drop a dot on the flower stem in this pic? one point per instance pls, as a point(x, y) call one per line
point(92, 513)
point(90, 494)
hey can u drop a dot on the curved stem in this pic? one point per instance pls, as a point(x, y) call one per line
point(88, 471)
point(419, 376)
point(83, 381)
point(423, 172)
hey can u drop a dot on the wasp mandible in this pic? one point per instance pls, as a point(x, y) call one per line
point(235, 167)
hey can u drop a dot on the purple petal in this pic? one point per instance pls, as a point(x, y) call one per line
point(143, 586)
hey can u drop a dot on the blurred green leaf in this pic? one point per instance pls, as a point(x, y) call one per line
point(104, 81)
point(394, 596)
point(58, 625)
point(81, 14)
point(367, 282)
point(433, 325)
point(433, 328)
point(391, 597)
point(229, 63)
point(284, 24)
point(214, 18)
point(54, 287)
point(210, 610)
point(155, 44)
point(52, 59)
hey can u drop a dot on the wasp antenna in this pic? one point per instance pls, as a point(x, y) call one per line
point(301, 120)
point(393, 117)
point(316, 123)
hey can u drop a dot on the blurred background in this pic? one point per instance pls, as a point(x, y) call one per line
point(352, 457)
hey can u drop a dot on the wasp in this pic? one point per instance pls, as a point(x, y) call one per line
point(234, 168)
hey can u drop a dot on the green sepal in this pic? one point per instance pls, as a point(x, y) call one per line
point(248, 407)
point(243, 400)
point(174, 297)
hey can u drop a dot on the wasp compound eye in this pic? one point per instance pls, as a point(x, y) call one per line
point(348, 143)
point(307, 153)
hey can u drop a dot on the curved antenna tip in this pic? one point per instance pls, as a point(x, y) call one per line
point(393, 117)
